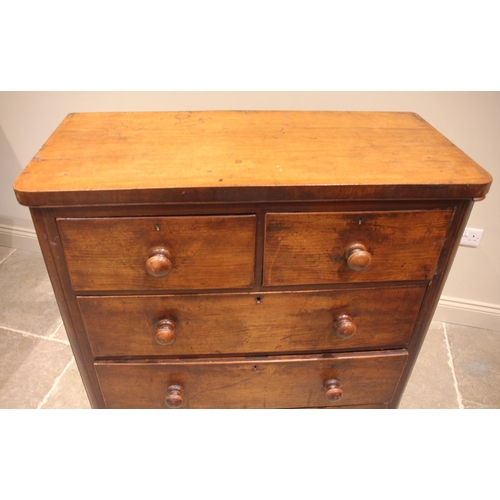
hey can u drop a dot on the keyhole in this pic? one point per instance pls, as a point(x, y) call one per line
point(258, 300)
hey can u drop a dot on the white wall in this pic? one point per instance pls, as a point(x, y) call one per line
point(471, 120)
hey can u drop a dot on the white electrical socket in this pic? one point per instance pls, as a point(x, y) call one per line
point(471, 237)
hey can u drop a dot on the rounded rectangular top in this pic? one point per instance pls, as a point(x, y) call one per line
point(231, 156)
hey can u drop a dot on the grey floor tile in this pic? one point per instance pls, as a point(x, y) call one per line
point(431, 383)
point(476, 355)
point(69, 391)
point(26, 297)
point(29, 367)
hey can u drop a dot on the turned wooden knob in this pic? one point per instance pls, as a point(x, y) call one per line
point(174, 396)
point(333, 392)
point(357, 257)
point(159, 262)
point(165, 331)
point(345, 326)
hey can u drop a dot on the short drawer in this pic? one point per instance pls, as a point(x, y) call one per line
point(159, 253)
point(320, 248)
point(284, 382)
point(244, 323)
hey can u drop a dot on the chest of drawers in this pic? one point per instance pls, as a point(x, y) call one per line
point(248, 259)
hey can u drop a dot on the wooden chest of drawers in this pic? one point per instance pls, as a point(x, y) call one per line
point(248, 259)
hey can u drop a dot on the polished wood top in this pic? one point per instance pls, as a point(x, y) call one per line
point(221, 156)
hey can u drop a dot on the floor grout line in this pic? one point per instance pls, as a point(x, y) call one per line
point(34, 335)
point(5, 258)
point(54, 385)
point(452, 367)
point(51, 336)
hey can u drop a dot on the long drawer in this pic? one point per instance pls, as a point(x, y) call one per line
point(320, 248)
point(213, 324)
point(285, 382)
point(159, 253)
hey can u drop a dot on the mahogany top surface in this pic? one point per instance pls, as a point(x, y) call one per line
point(219, 156)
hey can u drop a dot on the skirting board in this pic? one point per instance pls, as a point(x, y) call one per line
point(449, 310)
point(468, 312)
point(19, 237)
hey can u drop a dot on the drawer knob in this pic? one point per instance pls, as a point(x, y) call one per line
point(357, 257)
point(345, 326)
point(174, 396)
point(159, 262)
point(165, 331)
point(333, 392)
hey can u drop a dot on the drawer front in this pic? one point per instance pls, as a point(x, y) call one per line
point(320, 248)
point(287, 382)
point(159, 253)
point(250, 323)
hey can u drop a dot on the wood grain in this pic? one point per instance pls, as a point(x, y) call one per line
point(286, 382)
point(207, 252)
point(305, 248)
point(109, 158)
point(251, 323)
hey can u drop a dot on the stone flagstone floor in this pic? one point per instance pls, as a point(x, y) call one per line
point(459, 367)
